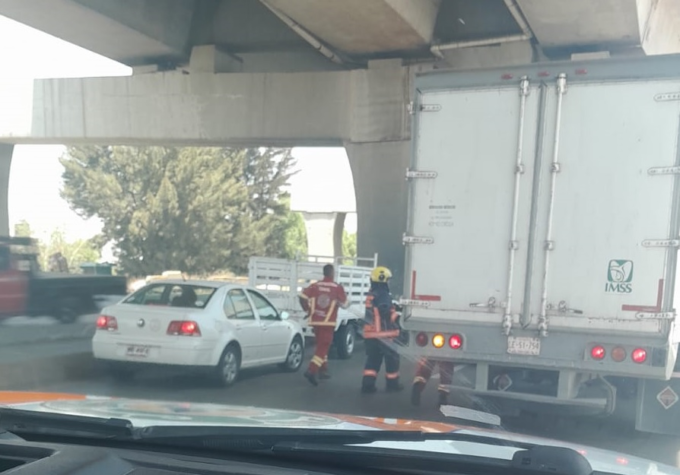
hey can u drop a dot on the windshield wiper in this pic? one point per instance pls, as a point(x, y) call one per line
point(18, 421)
point(268, 437)
point(253, 438)
point(342, 447)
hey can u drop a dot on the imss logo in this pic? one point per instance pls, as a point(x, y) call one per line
point(619, 277)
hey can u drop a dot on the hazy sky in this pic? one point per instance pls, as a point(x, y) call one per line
point(324, 182)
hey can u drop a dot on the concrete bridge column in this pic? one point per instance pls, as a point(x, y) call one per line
point(5, 164)
point(324, 233)
point(380, 186)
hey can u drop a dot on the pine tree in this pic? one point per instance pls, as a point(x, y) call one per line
point(197, 210)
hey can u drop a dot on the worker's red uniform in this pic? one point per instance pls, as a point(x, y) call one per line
point(321, 300)
point(423, 374)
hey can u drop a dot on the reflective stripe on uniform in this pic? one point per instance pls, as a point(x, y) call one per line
point(330, 311)
point(391, 375)
point(370, 372)
point(386, 334)
point(317, 361)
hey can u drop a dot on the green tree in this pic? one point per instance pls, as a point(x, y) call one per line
point(349, 244)
point(76, 252)
point(194, 209)
point(296, 236)
point(23, 229)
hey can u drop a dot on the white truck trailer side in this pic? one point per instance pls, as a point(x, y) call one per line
point(544, 224)
point(282, 280)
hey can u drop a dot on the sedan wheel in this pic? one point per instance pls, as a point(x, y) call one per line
point(230, 364)
point(296, 354)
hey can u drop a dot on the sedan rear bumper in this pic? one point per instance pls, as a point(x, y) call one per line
point(183, 354)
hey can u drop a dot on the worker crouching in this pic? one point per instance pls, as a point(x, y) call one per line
point(381, 328)
point(423, 374)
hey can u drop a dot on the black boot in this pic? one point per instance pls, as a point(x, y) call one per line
point(443, 398)
point(393, 386)
point(324, 375)
point(368, 385)
point(416, 390)
point(311, 377)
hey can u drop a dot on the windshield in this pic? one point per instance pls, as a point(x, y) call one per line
point(430, 216)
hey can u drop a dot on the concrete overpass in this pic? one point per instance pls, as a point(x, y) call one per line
point(299, 72)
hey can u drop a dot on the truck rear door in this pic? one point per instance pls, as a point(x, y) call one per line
point(606, 207)
point(465, 212)
point(547, 203)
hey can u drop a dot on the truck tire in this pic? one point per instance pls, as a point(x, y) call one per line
point(68, 310)
point(345, 341)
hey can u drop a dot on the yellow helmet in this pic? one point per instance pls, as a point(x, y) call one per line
point(381, 274)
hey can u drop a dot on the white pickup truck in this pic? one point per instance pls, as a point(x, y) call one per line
point(282, 280)
point(543, 235)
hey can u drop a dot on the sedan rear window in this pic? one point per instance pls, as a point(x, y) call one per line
point(172, 295)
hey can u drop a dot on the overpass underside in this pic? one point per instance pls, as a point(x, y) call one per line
point(313, 72)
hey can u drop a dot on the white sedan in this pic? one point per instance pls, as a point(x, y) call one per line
point(201, 324)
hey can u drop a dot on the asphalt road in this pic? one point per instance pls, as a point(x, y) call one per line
point(269, 387)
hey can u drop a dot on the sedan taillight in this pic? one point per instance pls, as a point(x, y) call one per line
point(184, 328)
point(104, 322)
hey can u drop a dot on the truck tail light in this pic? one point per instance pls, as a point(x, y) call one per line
point(456, 342)
point(421, 339)
point(184, 328)
point(438, 340)
point(598, 352)
point(104, 322)
point(639, 355)
point(618, 354)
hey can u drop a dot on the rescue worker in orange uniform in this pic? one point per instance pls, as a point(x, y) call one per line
point(381, 328)
point(423, 374)
point(321, 301)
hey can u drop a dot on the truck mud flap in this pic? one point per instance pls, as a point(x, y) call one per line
point(658, 407)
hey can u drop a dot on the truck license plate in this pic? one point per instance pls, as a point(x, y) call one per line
point(137, 351)
point(521, 345)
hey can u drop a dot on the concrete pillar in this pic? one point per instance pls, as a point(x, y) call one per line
point(5, 165)
point(380, 186)
point(338, 231)
point(324, 233)
point(211, 59)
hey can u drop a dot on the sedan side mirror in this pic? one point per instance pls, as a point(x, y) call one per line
point(284, 315)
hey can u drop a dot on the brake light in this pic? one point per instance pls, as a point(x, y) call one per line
point(421, 339)
point(184, 328)
point(104, 322)
point(456, 342)
point(639, 355)
point(598, 352)
point(618, 354)
point(438, 341)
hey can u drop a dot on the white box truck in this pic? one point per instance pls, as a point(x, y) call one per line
point(543, 234)
point(282, 280)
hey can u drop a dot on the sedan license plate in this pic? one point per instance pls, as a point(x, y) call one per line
point(137, 351)
point(521, 345)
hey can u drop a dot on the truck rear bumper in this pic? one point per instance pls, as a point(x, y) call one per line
point(599, 404)
point(560, 351)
